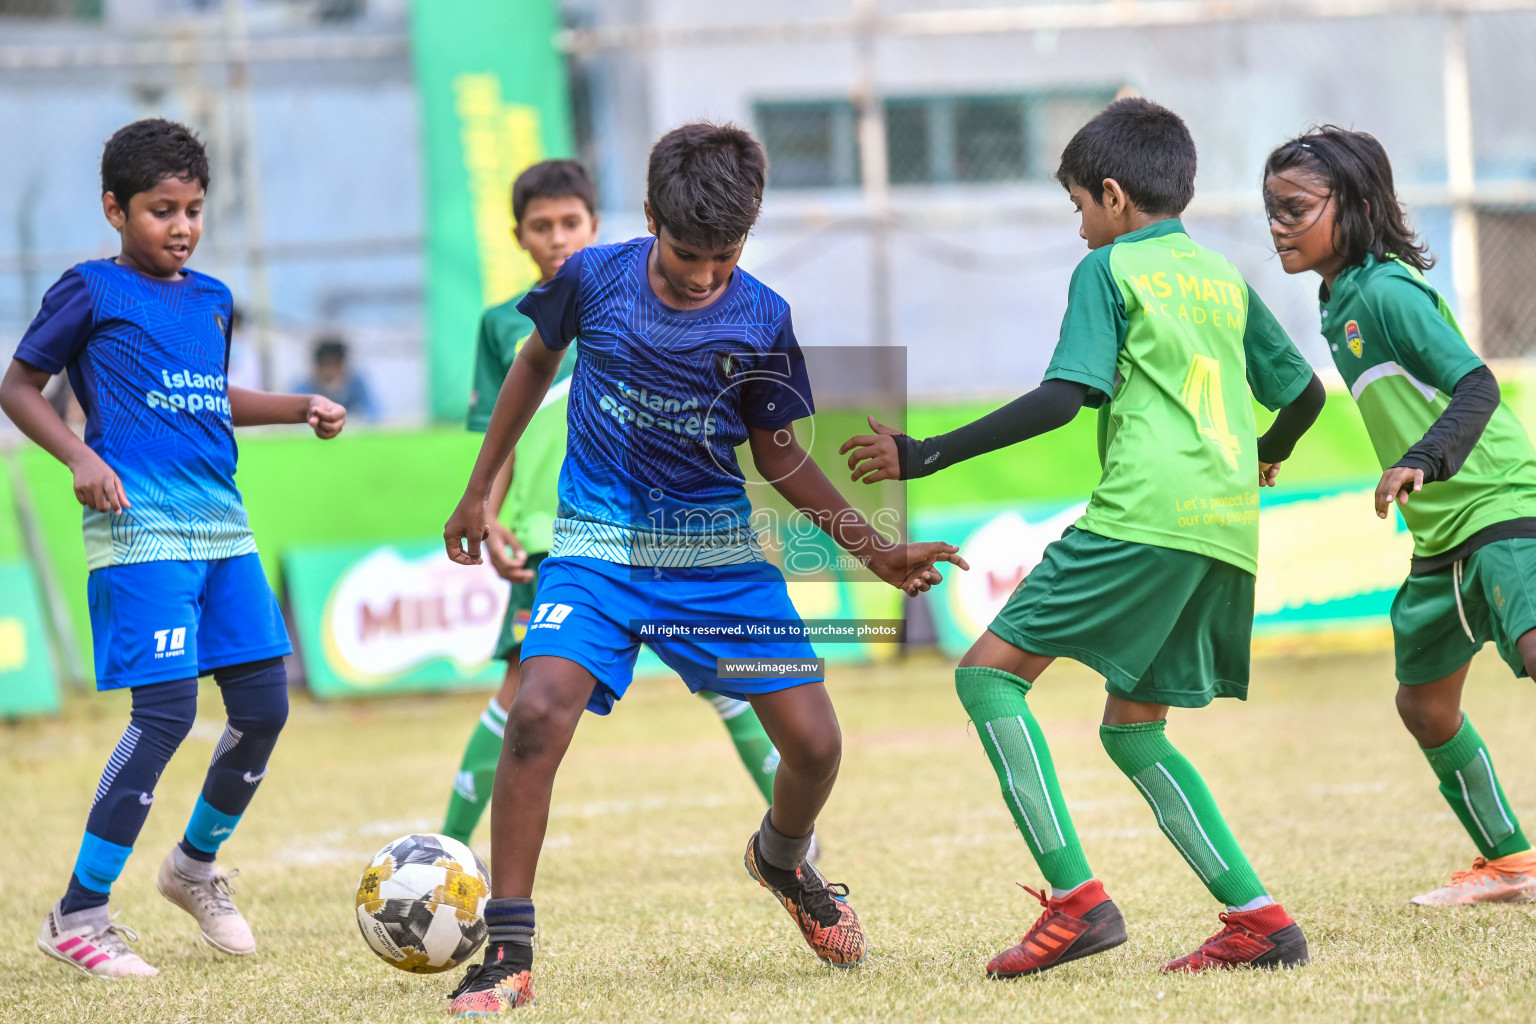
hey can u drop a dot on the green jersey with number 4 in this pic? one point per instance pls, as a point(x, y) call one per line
point(533, 498)
point(1399, 349)
point(1169, 339)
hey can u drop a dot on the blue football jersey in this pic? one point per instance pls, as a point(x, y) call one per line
point(147, 359)
point(659, 401)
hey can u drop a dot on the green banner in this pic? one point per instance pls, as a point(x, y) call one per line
point(28, 683)
point(493, 101)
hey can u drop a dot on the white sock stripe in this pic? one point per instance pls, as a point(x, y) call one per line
point(1194, 817)
point(1162, 824)
point(228, 741)
point(120, 755)
point(499, 727)
point(1040, 774)
point(729, 707)
point(1493, 790)
point(1466, 798)
point(496, 711)
point(1007, 771)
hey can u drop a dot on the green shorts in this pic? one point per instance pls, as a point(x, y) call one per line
point(1441, 619)
point(514, 625)
point(1161, 626)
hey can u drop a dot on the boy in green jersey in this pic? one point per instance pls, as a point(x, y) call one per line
point(554, 214)
point(1153, 586)
point(1455, 460)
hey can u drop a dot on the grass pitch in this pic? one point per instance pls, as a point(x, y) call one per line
point(646, 914)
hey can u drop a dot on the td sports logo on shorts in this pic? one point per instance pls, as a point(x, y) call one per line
point(190, 392)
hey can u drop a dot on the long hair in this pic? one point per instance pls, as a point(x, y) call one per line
point(1368, 219)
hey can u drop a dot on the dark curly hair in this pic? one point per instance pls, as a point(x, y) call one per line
point(1368, 218)
point(705, 182)
point(1144, 146)
point(141, 155)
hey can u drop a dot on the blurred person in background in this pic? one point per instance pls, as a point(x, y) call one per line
point(333, 376)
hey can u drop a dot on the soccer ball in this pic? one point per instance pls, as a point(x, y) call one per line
point(421, 903)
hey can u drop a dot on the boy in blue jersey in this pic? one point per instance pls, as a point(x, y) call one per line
point(683, 358)
point(176, 588)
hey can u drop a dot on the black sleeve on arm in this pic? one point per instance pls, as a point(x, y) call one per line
point(1051, 405)
point(1291, 422)
point(1449, 440)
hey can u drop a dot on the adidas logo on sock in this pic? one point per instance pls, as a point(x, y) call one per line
point(464, 786)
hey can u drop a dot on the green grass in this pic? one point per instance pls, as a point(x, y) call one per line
point(646, 914)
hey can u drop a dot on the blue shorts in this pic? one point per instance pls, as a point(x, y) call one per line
point(152, 622)
point(587, 610)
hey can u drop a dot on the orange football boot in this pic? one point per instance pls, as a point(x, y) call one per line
point(820, 910)
point(1510, 879)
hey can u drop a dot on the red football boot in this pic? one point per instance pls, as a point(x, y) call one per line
point(1079, 924)
point(1266, 937)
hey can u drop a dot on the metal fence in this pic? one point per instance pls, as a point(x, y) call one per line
point(912, 145)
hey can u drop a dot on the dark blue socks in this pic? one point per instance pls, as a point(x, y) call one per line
point(256, 702)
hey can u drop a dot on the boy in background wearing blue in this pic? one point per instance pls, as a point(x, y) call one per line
point(176, 588)
point(554, 214)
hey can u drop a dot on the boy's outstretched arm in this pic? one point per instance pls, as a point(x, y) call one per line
point(21, 398)
point(260, 408)
point(783, 463)
point(533, 371)
point(1290, 423)
point(888, 454)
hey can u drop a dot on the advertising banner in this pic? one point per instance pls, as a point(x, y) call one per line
point(1325, 561)
point(28, 684)
point(493, 101)
point(402, 618)
point(393, 619)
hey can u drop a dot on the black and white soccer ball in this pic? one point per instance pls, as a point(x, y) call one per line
point(421, 903)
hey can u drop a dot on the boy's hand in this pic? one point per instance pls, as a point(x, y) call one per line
point(507, 555)
point(910, 567)
point(467, 524)
point(325, 417)
point(873, 456)
point(97, 486)
point(1268, 471)
point(1397, 483)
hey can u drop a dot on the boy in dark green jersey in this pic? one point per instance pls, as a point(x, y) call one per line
point(1455, 460)
point(1153, 586)
point(554, 214)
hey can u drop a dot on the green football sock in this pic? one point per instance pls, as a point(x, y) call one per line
point(753, 746)
point(1185, 809)
point(995, 701)
point(477, 775)
point(1472, 789)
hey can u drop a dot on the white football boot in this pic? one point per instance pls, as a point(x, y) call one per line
point(211, 903)
point(94, 943)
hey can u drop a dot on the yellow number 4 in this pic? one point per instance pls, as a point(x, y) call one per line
point(1202, 395)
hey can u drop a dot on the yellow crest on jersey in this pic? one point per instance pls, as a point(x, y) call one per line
point(1352, 336)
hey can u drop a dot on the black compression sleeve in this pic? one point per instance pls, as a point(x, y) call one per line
point(1449, 440)
point(1293, 421)
point(1051, 405)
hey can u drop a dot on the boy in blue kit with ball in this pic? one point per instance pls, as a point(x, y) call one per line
point(176, 588)
point(684, 357)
